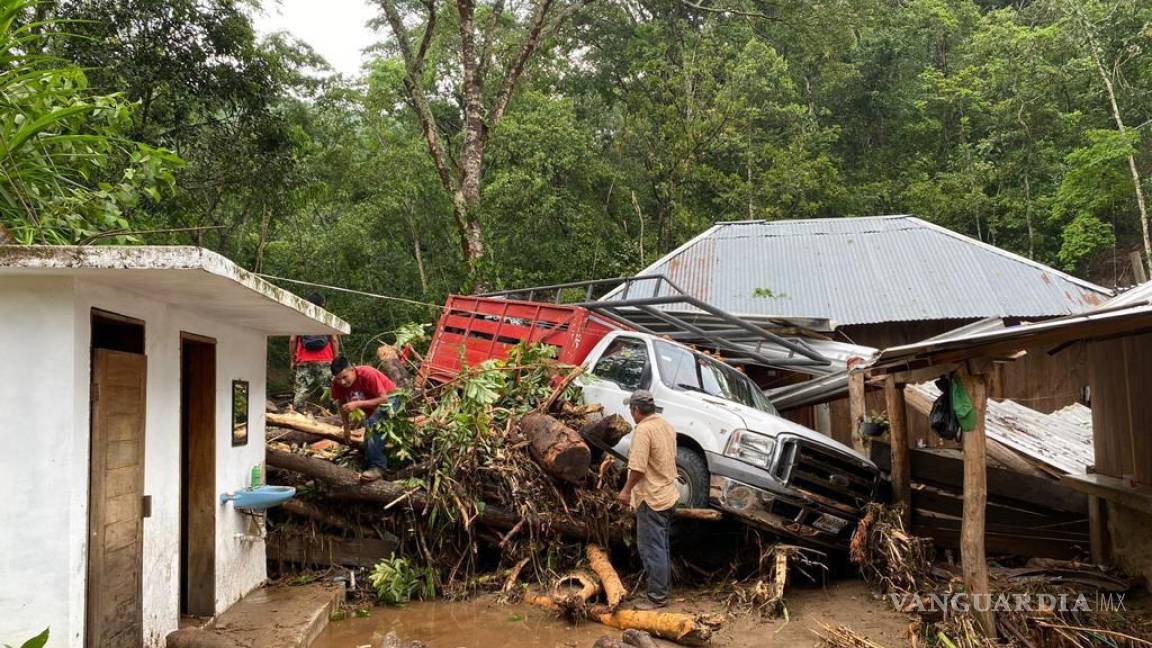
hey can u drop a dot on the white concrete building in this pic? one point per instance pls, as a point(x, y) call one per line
point(120, 370)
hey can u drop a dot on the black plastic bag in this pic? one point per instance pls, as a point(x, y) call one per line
point(942, 419)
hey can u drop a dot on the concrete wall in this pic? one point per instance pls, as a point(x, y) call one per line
point(43, 496)
point(47, 587)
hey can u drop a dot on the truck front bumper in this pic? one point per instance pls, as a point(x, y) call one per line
point(757, 498)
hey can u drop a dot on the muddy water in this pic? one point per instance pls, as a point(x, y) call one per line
point(479, 623)
point(483, 623)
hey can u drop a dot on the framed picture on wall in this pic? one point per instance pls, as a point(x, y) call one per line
point(239, 412)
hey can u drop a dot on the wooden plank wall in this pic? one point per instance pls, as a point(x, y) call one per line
point(1121, 419)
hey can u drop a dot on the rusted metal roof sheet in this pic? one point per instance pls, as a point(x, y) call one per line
point(867, 270)
point(1062, 440)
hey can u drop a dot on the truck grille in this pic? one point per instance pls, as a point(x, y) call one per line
point(842, 480)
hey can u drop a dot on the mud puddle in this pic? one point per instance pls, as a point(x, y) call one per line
point(484, 623)
point(479, 623)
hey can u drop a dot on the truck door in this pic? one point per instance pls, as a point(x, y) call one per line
point(623, 368)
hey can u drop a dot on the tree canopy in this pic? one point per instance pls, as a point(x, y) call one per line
point(504, 144)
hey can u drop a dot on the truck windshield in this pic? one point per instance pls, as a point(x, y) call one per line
point(684, 369)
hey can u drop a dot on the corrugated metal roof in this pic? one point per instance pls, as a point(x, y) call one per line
point(867, 270)
point(1061, 440)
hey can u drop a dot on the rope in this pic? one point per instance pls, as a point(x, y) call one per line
point(349, 290)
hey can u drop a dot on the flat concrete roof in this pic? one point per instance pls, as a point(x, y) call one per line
point(190, 277)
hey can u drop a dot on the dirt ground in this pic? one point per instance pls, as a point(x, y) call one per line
point(483, 623)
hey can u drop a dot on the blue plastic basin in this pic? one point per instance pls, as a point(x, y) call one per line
point(259, 498)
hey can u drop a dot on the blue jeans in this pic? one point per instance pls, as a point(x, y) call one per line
point(374, 456)
point(652, 542)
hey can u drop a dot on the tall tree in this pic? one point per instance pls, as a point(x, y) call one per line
point(488, 36)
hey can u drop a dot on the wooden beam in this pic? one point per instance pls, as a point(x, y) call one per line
point(913, 375)
point(1098, 530)
point(898, 431)
point(857, 408)
point(939, 468)
point(1112, 489)
point(974, 562)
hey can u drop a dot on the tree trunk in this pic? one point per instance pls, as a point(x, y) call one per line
point(307, 509)
point(614, 589)
point(312, 426)
point(325, 550)
point(606, 432)
point(1098, 61)
point(346, 484)
point(557, 448)
point(702, 514)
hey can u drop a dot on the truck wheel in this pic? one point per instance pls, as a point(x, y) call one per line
point(691, 478)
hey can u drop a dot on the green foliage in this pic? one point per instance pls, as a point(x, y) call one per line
point(69, 171)
point(627, 136)
point(412, 334)
point(1084, 237)
point(35, 642)
point(396, 581)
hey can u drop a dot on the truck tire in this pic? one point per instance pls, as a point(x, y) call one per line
point(691, 478)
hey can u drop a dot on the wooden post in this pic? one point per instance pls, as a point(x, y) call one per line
point(974, 563)
point(1098, 530)
point(898, 436)
point(857, 409)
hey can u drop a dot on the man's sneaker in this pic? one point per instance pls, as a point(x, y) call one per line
point(371, 475)
point(650, 604)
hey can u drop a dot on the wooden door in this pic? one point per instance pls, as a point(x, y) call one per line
point(115, 500)
point(198, 477)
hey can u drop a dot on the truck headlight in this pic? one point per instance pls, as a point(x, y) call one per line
point(753, 447)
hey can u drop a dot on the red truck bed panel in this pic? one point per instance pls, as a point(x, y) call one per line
point(474, 329)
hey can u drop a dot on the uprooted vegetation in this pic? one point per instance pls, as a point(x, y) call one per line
point(1043, 603)
point(464, 496)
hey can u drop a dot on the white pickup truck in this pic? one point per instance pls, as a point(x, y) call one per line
point(735, 451)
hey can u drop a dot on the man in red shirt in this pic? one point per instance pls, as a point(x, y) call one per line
point(366, 389)
point(309, 357)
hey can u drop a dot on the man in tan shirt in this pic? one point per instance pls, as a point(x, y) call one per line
point(651, 492)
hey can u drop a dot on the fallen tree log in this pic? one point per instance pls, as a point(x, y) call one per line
point(710, 515)
point(307, 509)
point(614, 589)
point(686, 629)
point(605, 432)
point(346, 484)
point(312, 426)
point(326, 550)
point(557, 448)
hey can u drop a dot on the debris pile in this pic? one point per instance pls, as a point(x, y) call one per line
point(495, 484)
point(763, 592)
point(1044, 603)
point(480, 464)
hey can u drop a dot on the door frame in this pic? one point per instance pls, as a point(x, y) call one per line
point(197, 580)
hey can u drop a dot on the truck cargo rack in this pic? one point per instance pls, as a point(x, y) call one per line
point(654, 304)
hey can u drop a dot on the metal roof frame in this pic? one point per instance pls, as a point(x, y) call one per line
point(685, 318)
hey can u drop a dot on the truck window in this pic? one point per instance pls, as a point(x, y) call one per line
point(625, 362)
point(683, 369)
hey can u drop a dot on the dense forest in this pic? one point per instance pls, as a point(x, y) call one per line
point(504, 144)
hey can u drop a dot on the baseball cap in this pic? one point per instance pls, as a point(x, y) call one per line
point(641, 398)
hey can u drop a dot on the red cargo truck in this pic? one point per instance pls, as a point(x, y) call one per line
point(474, 329)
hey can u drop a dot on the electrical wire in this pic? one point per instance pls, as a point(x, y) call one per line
point(349, 290)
